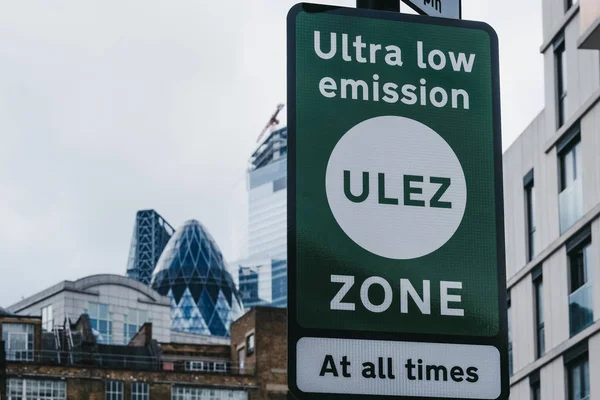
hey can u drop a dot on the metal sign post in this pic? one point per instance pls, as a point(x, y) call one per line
point(383, 5)
point(396, 272)
point(437, 8)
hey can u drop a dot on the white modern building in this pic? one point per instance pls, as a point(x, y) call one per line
point(117, 306)
point(267, 198)
point(262, 276)
point(552, 203)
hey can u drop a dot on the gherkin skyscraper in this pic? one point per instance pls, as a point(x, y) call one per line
point(193, 273)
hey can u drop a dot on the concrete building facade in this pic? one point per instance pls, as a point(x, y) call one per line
point(118, 306)
point(552, 203)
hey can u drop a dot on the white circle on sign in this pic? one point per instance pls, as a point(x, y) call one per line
point(366, 177)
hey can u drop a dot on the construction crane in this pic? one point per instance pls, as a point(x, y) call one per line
point(273, 122)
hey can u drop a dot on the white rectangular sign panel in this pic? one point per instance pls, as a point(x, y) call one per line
point(375, 367)
point(437, 8)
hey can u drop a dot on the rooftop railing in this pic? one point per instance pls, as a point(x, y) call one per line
point(128, 361)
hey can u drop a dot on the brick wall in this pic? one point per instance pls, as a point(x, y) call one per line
point(269, 326)
point(90, 383)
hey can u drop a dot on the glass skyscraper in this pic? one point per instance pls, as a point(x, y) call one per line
point(262, 277)
point(193, 273)
point(150, 236)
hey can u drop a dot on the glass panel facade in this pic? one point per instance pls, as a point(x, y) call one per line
point(570, 200)
point(27, 389)
point(151, 234)
point(18, 341)
point(114, 390)
point(195, 393)
point(140, 391)
point(193, 273)
point(581, 311)
point(133, 321)
point(101, 321)
point(279, 285)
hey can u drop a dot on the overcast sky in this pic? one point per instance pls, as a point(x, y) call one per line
point(108, 107)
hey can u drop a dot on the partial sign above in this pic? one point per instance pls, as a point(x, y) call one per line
point(437, 8)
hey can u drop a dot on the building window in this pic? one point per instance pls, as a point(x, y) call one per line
point(560, 62)
point(27, 389)
point(534, 384)
point(194, 366)
point(114, 390)
point(510, 343)
point(101, 321)
point(250, 344)
point(540, 338)
point(530, 214)
point(206, 366)
point(570, 198)
point(187, 393)
point(581, 312)
point(134, 320)
point(241, 358)
point(18, 339)
point(47, 318)
point(578, 374)
point(140, 391)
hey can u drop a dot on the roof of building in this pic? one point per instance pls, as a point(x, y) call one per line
point(84, 284)
point(5, 312)
point(270, 149)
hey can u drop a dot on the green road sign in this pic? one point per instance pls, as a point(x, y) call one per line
point(396, 233)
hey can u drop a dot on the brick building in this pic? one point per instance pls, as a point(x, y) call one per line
point(69, 363)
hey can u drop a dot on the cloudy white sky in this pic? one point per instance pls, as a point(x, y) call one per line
point(107, 107)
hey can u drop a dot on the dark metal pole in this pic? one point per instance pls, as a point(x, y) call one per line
point(385, 5)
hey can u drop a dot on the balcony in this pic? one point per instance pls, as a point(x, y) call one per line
point(570, 205)
point(581, 312)
point(589, 12)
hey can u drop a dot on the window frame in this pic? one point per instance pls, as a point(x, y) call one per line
point(538, 307)
point(250, 349)
point(572, 147)
point(535, 385)
point(109, 337)
point(561, 87)
point(114, 390)
point(529, 188)
point(578, 362)
point(135, 391)
point(48, 321)
point(17, 388)
point(576, 251)
point(26, 354)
